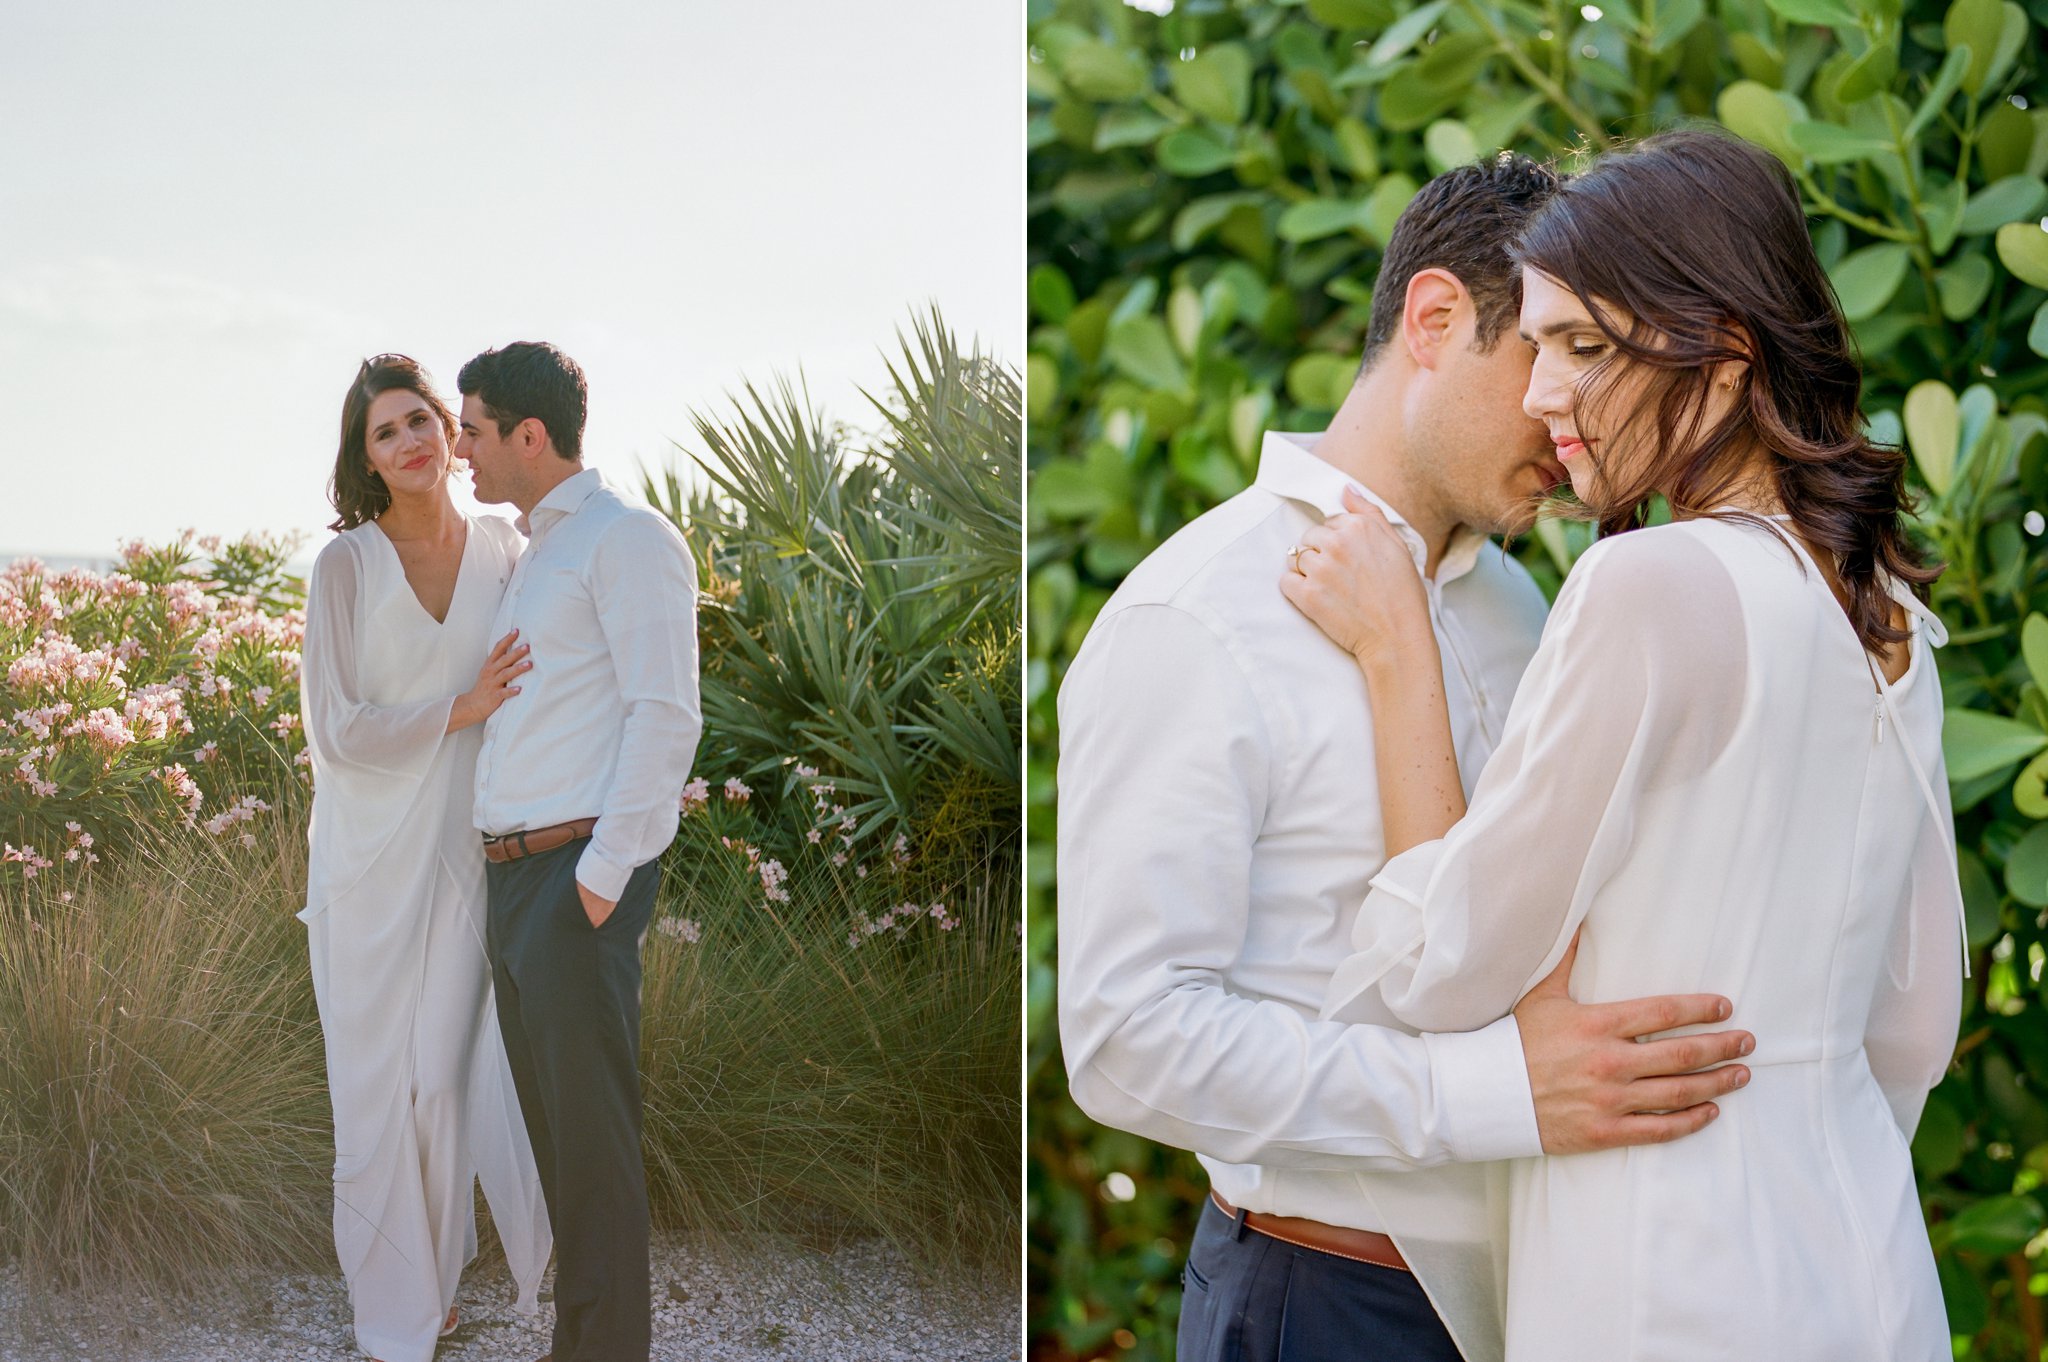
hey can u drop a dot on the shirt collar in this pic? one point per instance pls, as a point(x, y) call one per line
point(1289, 467)
point(564, 500)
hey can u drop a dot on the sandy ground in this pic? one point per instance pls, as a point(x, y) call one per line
point(741, 1298)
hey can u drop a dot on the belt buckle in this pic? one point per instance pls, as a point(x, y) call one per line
point(514, 844)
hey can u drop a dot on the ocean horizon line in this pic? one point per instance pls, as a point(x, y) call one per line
point(105, 562)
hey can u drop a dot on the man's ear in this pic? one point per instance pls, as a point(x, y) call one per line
point(1435, 305)
point(533, 436)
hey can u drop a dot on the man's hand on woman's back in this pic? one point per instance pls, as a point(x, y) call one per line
point(1598, 1087)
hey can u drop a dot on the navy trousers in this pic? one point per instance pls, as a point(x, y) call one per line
point(1249, 1298)
point(569, 1004)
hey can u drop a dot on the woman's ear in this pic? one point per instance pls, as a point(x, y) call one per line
point(1729, 373)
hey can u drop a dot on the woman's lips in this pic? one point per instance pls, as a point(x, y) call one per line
point(420, 462)
point(1568, 447)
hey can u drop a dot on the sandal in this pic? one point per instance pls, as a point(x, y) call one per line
point(452, 1323)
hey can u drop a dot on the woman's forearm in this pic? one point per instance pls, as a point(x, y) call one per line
point(1420, 793)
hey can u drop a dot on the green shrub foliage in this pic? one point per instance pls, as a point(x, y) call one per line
point(1209, 192)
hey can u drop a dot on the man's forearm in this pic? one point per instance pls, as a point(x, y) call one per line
point(1258, 1083)
point(656, 748)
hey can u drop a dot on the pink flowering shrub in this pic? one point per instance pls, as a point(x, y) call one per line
point(164, 691)
point(798, 830)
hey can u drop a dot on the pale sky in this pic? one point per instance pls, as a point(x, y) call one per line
point(210, 211)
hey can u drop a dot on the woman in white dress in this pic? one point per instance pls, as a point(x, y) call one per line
point(1722, 774)
point(399, 674)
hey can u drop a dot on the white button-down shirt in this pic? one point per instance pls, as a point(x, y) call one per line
point(606, 723)
point(1219, 824)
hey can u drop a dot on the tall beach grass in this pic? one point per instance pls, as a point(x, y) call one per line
point(795, 1082)
point(163, 1103)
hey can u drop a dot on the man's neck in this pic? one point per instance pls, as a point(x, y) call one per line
point(556, 474)
point(1364, 442)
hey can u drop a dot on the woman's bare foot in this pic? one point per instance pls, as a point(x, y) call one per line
point(447, 1325)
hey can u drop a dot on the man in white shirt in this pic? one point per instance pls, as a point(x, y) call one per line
point(578, 788)
point(1219, 823)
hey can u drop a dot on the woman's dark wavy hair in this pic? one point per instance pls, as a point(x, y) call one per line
point(355, 491)
point(1699, 239)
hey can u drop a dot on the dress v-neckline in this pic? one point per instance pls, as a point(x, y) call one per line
point(461, 562)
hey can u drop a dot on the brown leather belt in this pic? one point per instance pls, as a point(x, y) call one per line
point(1364, 1246)
point(533, 841)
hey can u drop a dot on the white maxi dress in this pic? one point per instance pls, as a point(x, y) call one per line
point(424, 1106)
point(1703, 770)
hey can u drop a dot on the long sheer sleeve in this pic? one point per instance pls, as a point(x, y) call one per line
point(1638, 682)
point(370, 761)
point(1911, 1035)
point(344, 730)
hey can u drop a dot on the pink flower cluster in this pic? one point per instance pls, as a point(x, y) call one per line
point(834, 831)
point(37, 723)
point(53, 660)
point(241, 811)
point(30, 861)
point(900, 920)
point(156, 711)
point(185, 603)
point(682, 929)
point(184, 790)
point(78, 844)
point(773, 874)
point(104, 729)
point(33, 778)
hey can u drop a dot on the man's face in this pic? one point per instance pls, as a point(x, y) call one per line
point(1489, 462)
point(493, 463)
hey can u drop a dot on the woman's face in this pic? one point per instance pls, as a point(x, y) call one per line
point(1605, 432)
point(1593, 445)
point(405, 442)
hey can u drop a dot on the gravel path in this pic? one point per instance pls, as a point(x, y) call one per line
point(755, 1297)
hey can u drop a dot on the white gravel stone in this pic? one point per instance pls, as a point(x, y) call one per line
point(738, 1297)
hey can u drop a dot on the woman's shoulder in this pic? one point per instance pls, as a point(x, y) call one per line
point(1674, 574)
point(1675, 547)
point(342, 555)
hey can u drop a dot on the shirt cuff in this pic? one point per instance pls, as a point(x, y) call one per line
point(608, 880)
point(1482, 1082)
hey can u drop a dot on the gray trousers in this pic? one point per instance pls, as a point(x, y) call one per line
point(568, 1001)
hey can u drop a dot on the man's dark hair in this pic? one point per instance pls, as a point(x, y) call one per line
point(1462, 221)
point(531, 379)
